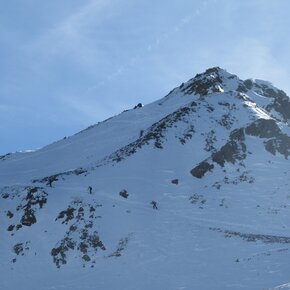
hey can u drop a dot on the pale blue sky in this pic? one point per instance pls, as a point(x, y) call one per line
point(67, 64)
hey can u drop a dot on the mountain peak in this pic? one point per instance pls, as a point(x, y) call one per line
point(213, 80)
point(215, 70)
point(207, 165)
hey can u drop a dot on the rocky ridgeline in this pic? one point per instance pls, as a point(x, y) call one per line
point(213, 81)
point(235, 150)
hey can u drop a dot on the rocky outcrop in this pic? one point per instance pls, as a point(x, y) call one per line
point(201, 169)
point(203, 84)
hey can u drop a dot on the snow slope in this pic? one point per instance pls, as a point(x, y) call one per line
point(212, 155)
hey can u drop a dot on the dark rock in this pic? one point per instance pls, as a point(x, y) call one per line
point(197, 198)
point(67, 215)
point(279, 144)
point(209, 82)
point(10, 228)
point(95, 242)
point(80, 235)
point(73, 228)
point(281, 103)
point(230, 152)
point(59, 253)
point(270, 146)
point(263, 128)
point(18, 249)
point(9, 214)
point(28, 218)
point(19, 226)
point(4, 157)
point(139, 105)
point(238, 135)
point(203, 84)
point(86, 258)
point(242, 88)
point(35, 199)
point(249, 84)
point(200, 170)
point(83, 247)
point(5, 195)
point(215, 69)
point(174, 181)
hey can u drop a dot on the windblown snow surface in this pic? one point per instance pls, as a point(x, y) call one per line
point(189, 192)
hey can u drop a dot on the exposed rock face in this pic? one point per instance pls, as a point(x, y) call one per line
point(203, 84)
point(80, 236)
point(281, 104)
point(201, 169)
point(230, 152)
point(278, 141)
point(263, 128)
point(34, 198)
point(235, 150)
point(249, 84)
point(31, 199)
point(279, 144)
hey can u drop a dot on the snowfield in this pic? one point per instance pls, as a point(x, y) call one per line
point(189, 192)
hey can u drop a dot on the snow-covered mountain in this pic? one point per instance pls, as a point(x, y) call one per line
point(189, 192)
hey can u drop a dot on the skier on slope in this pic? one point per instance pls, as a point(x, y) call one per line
point(154, 204)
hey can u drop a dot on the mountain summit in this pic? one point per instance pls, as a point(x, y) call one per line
point(189, 192)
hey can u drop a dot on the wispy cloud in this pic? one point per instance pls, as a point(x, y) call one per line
point(150, 48)
point(72, 37)
point(253, 58)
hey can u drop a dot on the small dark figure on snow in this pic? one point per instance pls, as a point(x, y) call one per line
point(50, 182)
point(90, 189)
point(51, 179)
point(154, 204)
point(124, 193)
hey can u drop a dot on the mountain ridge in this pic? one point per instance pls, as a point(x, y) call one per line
point(188, 192)
point(211, 79)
